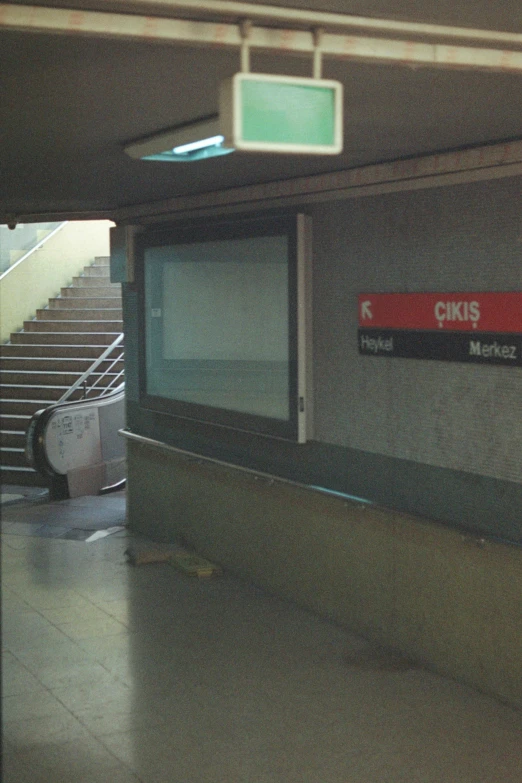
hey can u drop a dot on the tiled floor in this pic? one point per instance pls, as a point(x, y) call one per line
point(114, 673)
point(74, 519)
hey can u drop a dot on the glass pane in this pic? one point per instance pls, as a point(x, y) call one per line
point(17, 242)
point(217, 324)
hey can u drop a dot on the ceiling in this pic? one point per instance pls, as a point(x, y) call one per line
point(70, 104)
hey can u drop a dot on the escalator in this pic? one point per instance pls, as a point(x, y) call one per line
point(74, 444)
point(76, 447)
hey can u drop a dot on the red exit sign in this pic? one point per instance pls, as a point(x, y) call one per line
point(456, 312)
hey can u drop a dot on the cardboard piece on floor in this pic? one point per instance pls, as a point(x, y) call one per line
point(148, 552)
point(193, 565)
point(138, 557)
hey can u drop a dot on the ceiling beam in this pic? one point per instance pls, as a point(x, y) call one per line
point(476, 164)
point(303, 17)
point(228, 35)
point(461, 166)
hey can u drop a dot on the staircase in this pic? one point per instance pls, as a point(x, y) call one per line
point(43, 361)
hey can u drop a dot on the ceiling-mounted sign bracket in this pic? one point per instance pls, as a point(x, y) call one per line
point(261, 112)
point(317, 34)
point(245, 29)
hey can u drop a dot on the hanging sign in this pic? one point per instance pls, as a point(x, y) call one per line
point(484, 328)
point(266, 113)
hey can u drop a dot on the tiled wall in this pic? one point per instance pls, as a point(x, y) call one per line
point(460, 238)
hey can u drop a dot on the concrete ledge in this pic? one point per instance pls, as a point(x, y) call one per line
point(450, 601)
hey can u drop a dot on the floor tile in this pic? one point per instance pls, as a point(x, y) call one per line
point(74, 675)
point(74, 614)
point(23, 528)
point(118, 609)
point(104, 592)
point(25, 623)
point(29, 705)
point(81, 759)
point(93, 627)
point(16, 678)
point(52, 531)
point(42, 730)
point(110, 649)
point(47, 636)
point(40, 597)
point(157, 749)
point(93, 515)
point(14, 542)
point(14, 770)
point(55, 664)
point(109, 694)
point(102, 721)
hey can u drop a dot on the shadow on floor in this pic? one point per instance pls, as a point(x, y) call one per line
point(27, 511)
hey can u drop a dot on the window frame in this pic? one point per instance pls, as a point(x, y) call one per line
point(295, 226)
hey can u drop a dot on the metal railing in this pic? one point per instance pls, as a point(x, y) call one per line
point(83, 380)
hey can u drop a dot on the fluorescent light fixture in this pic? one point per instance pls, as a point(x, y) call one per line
point(194, 141)
point(213, 141)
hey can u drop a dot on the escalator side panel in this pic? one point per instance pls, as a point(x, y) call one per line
point(76, 445)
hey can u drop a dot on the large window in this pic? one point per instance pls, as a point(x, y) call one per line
point(223, 328)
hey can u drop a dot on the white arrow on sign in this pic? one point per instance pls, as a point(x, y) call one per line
point(365, 309)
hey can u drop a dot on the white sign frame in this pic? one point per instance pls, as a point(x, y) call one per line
point(231, 117)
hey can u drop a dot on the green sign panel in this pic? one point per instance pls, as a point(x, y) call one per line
point(265, 113)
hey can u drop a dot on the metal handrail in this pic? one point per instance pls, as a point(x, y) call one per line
point(83, 379)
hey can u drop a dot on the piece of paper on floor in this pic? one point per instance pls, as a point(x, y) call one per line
point(103, 533)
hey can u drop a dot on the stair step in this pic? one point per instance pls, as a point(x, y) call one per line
point(79, 292)
point(79, 314)
point(20, 391)
point(58, 362)
point(85, 302)
point(9, 378)
point(17, 407)
point(18, 367)
point(103, 260)
point(14, 422)
point(73, 326)
point(17, 391)
point(12, 438)
point(22, 476)
point(36, 352)
point(13, 456)
point(61, 339)
point(73, 357)
point(101, 281)
point(96, 270)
